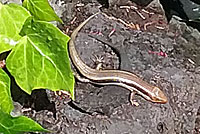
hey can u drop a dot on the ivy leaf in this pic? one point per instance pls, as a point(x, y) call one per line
point(12, 18)
point(16, 125)
point(41, 10)
point(41, 60)
point(6, 104)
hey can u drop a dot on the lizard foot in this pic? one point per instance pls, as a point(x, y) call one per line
point(98, 61)
point(132, 100)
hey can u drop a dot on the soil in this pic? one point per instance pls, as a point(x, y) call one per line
point(136, 39)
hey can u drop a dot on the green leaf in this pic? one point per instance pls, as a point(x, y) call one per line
point(6, 43)
point(41, 10)
point(12, 18)
point(41, 59)
point(15, 125)
point(6, 104)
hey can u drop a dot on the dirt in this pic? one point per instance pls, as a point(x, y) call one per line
point(163, 54)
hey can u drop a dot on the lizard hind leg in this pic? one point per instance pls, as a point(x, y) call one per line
point(98, 60)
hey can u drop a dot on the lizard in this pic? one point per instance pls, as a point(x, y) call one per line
point(121, 78)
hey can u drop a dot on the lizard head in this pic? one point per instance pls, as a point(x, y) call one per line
point(158, 96)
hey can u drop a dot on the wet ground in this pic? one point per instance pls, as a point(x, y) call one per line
point(138, 40)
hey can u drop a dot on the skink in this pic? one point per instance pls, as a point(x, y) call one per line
point(125, 79)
